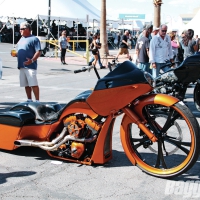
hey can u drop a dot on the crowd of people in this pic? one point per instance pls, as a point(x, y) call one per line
point(156, 45)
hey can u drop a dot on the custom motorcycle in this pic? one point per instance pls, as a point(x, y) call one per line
point(176, 80)
point(158, 132)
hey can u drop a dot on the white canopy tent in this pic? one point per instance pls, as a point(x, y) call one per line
point(126, 24)
point(194, 24)
point(64, 9)
point(61, 10)
point(176, 25)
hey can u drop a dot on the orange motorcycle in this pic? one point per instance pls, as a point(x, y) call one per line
point(158, 132)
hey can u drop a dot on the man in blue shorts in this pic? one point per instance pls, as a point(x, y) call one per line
point(28, 51)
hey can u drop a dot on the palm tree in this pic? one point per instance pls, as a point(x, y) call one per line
point(157, 10)
point(103, 33)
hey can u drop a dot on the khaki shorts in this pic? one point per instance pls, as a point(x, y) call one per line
point(123, 51)
point(28, 77)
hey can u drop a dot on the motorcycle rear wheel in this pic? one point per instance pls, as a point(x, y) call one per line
point(170, 156)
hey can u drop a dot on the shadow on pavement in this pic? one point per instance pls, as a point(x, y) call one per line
point(61, 70)
point(4, 176)
point(38, 153)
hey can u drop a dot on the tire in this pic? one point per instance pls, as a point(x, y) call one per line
point(177, 147)
point(197, 96)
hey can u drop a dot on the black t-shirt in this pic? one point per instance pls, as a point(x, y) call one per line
point(142, 46)
point(123, 45)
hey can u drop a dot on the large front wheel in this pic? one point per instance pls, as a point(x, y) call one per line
point(177, 147)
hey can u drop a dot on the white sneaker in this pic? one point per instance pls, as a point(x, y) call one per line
point(29, 100)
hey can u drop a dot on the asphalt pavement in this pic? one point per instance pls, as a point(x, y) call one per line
point(29, 173)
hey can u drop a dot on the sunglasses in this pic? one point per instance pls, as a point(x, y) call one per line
point(164, 31)
point(22, 29)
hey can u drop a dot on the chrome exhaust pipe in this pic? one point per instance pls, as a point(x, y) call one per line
point(35, 143)
point(54, 144)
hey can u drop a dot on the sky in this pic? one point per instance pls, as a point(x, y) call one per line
point(169, 9)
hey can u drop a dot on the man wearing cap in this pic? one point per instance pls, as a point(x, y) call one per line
point(160, 51)
point(155, 31)
point(149, 28)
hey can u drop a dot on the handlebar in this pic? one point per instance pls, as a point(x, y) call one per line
point(169, 64)
point(83, 69)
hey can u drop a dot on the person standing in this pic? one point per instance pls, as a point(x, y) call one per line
point(188, 44)
point(160, 50)
point(175, 46)
point(149, 28)
point(142, 52)
point(99, 58)
point(95, 49)
point(63, 47)
point(28, 51)
point(124, 46)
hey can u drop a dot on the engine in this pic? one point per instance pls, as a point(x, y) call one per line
point(82, 132)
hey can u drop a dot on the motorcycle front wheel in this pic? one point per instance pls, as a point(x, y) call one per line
point(177, 147)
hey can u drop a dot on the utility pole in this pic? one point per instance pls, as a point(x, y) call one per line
point(157, 11)
point(103, 32)
point(49, 18)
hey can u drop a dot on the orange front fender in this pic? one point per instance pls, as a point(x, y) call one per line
point(161, 99)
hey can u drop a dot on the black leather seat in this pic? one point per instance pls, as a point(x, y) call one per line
point(42, 112)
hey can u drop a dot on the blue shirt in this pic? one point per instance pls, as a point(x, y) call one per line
point(27, 47)
point(63, 42)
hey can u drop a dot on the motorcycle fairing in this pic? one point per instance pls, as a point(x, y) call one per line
point(103, 102)
point(189, 70)
point(126, 73)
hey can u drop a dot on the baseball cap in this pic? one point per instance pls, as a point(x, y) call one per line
point(155, 28)
point(149, 26)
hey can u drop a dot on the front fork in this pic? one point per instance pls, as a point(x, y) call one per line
point(140, 124)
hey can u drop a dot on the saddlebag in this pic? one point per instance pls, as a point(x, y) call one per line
point(11, 123)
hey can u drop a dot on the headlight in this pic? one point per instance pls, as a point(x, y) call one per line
point(149, 79)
